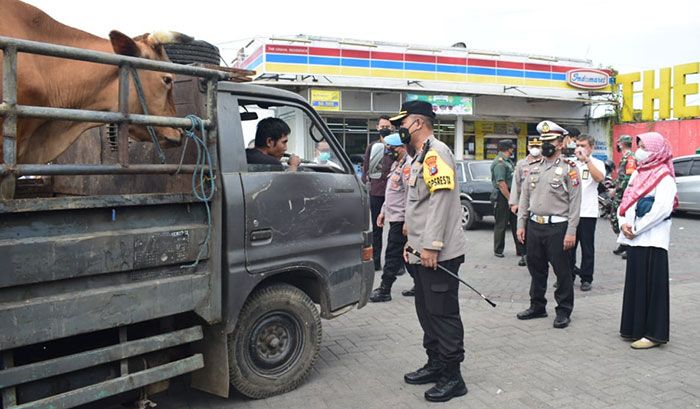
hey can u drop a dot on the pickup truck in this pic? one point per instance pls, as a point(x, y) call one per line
point(122, 276)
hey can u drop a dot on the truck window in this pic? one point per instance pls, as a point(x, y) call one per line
point(305, 139)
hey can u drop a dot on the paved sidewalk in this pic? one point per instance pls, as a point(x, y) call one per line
point(510, 363)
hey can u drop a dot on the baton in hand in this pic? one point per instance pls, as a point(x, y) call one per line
point(417, 254)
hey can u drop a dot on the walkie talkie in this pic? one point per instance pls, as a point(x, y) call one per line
point(426, 148)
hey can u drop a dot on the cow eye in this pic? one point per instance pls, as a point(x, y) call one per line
point(167, 80)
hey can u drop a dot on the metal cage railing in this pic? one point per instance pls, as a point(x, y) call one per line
point(10, 111)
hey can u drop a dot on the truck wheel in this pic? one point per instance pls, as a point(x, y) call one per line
point(468, 215)
point(275, 343)
point(196, 51)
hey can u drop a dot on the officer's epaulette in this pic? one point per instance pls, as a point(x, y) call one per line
point(532, 162)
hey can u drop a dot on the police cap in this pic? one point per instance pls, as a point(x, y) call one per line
point(414, 107)
point(550, 131)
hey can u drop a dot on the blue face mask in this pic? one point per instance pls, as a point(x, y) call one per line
point(324, 156)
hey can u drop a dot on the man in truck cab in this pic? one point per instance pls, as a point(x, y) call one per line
point(271, 139)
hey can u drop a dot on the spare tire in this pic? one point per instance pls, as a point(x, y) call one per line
point(197, 51)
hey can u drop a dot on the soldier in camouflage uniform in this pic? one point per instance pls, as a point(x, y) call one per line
point(627, 166)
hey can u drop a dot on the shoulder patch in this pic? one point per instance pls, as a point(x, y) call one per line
point(630, 165)
point(436, 173)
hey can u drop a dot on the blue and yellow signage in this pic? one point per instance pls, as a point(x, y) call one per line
point(438, 66)
point(325, 100)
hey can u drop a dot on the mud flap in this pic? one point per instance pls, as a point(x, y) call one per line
point(214, 377)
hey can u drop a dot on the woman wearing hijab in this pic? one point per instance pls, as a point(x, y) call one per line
point(645, 226)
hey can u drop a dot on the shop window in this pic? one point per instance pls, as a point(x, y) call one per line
point(356, 135)
point(470, 145)
point(357, 101)
point(445, 132)
point(337, 127)
point(386, 102)
point(491, 144)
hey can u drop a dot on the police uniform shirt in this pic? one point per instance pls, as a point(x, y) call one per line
point(433, 210)
point(552, 188)
point(589, 187)
point(519, 174)
point(394, 206)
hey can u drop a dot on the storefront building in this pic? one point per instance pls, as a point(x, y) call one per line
point(479, 97)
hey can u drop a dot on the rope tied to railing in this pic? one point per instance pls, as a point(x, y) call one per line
point(144, 107)
point(203, 185)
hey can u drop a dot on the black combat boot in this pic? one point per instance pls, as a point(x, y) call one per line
point(450, 385)
point(430, 372)
point(381, 293)
point(410, 292)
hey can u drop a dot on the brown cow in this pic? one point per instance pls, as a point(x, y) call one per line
point(55, 82)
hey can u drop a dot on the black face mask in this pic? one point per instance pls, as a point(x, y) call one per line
point(405, 134)
point(548, 149)
point(384, 132)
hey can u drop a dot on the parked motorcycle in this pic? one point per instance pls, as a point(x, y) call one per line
point(606, 191)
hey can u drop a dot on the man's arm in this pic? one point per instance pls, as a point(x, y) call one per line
point(573, 184)
point(499, 175)
point(596, 169)
point(524, 205)
point(515, 183)
point(440, 184)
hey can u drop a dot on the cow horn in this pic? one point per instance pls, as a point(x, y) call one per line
point(168, 37)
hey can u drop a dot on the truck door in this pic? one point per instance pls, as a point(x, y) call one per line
point(306, 220)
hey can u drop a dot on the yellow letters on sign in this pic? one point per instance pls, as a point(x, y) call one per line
point(670, 81)
point(662, 94)
point(681, 89)
point(436, 173)
point(626, 82)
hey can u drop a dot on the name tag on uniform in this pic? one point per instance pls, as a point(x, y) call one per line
point(585, 174)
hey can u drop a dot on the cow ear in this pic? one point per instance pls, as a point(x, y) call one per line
point(123, 44)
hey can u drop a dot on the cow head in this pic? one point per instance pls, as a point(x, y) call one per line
point(157, 86)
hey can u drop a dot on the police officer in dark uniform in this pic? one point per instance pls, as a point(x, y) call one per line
point(432, 218)
point(550, 204)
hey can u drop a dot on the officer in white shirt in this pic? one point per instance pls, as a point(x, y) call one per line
point(592, 172)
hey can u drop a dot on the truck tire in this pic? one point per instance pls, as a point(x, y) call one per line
point(275, 343)
point(196, 51)
point(469, 216)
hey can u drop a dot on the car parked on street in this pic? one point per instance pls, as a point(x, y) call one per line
point(687, 169)
point(474, 178)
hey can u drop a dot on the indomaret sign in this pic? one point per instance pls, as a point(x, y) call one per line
point(650, 93)
point(587, 78)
